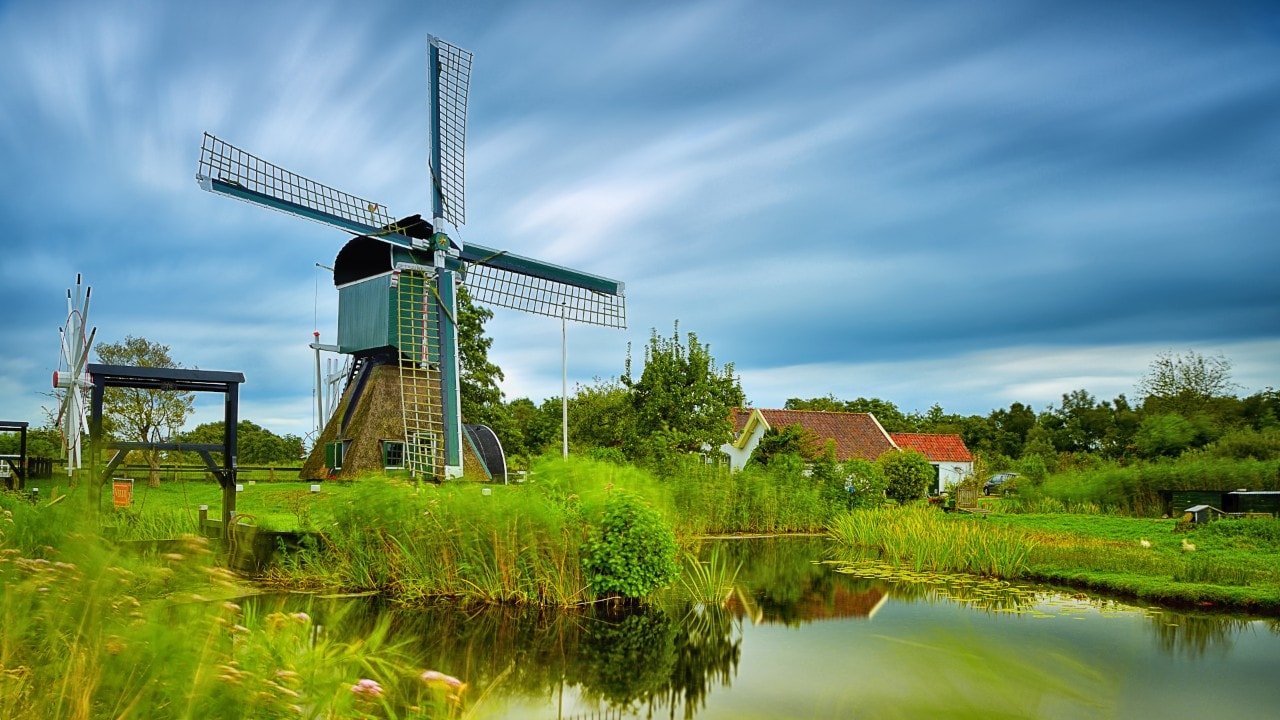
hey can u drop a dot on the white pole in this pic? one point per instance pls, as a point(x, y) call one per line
point(319, 389)
point(564, 386)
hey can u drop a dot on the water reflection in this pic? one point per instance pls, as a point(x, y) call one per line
point(652, 660)
point(784, 581)
point(810, 635)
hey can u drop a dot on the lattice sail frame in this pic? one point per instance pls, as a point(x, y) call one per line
point(519, 291)
point(292, 193)
point(448, 80)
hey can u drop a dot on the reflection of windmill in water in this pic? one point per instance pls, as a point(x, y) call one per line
point(397, 286)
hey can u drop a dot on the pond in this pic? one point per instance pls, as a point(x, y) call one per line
point(807, 637)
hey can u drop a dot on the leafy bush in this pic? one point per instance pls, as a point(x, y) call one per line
point(1260, 531)
point(1033, 468)
point(1247, 443)
point(634, 551)
point(866, 484)
point(610, 455)
point(907, 473)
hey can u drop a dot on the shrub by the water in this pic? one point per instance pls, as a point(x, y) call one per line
point(633, 552)
point(907, 474)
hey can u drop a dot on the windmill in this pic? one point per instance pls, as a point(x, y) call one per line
point(397, 279)
point(70, 379)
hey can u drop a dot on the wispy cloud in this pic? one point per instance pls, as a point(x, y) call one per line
point(968, 206)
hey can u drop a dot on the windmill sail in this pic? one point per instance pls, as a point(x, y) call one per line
point(450, 73)
point(228, 170)
point(519, 283)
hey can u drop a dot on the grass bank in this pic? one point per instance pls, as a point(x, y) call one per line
point(1229, 564)
point(87, 631)
point(1234, 564)
point(523, 544)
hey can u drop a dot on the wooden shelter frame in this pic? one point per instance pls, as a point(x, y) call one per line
point(18, 476)
point(175, 379)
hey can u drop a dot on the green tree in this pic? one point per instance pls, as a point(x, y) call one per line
point(1185, 384)
point(890, 417)
point(601, 415)
point(683, 400)
point(1009, 429)
point(1262, 410)
point(828, 403)
point(1039, 444)
point(45, 442)
point(255, 445)
point(1166, 434)
point(791, 441)
point(908, 474)
point(478, 377)
point(534, 429)
point(142, 414)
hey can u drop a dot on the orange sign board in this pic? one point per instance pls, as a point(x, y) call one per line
point(122, 493)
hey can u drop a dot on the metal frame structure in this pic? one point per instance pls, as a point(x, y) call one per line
point(18, 479)
point(70, 378)
point(175, 379)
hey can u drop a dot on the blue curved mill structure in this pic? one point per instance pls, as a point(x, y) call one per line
point(397, 278)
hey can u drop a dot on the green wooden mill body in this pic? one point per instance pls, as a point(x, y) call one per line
point(373, 302)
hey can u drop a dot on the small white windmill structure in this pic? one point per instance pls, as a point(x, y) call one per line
point(70, 381)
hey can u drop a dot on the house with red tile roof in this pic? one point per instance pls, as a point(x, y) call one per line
point(856, 436)
point(946, 453)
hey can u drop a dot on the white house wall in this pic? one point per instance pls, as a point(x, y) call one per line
point(952, 472)
point(738, 457)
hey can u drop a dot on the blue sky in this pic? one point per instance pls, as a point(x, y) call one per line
point(965, 204)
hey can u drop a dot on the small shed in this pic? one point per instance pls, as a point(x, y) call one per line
point(1197, 513)
point(1246, 502)
point(1174, 500)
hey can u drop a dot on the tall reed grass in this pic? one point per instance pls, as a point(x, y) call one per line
point(710, 500)
point(522, 544)
point(89, 632)
point(924, 540)
point(710, 582)
point(511, 545)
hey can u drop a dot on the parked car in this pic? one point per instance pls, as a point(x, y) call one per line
point(996, 483)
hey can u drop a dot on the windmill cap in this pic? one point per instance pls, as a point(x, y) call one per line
point(413, 226)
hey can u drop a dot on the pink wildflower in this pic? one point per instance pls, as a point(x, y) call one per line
point(367, 687)
point(435, 678)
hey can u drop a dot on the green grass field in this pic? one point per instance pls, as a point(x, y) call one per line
point(175, 504)
point(1225, 563)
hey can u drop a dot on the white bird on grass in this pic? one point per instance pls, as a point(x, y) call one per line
point(1188, 547)
point(1144, 543)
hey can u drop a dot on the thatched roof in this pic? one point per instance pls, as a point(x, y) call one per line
point(377, 416)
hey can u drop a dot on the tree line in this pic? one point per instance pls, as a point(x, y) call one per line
point(683, 400)
point(680, 401)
